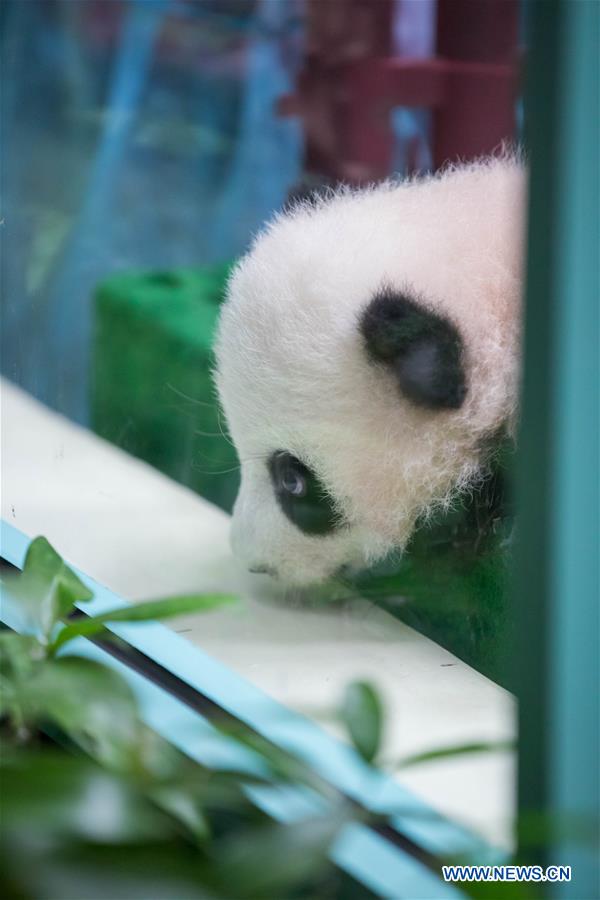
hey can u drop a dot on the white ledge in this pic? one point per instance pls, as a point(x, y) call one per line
point(142, 535)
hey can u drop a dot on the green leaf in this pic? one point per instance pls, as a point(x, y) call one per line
point(274, 860)
point(20, 656)
point(146, 870)
point(56, 794)
point(71, 829)
point(458, 750)
point(47, 586)
point(183, 807)
point(142, 612)
point(86, 701)
point(362, 714)
point(91, 703)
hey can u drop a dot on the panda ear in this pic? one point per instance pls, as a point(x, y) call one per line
point(421, 347)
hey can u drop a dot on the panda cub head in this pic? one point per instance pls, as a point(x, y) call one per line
point(366, 352)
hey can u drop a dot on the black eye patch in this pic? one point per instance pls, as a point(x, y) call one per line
point(300, 494)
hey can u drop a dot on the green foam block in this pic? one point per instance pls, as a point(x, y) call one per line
point(152, 392)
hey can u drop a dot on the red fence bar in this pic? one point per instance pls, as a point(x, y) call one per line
point(351, 81)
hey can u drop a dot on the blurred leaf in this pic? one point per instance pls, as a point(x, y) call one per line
point(56, 801)
point(88, 701)
point(58, 795)
point(362, 714)
point(47, 586)
point(142, 612)
point(282, 766)
point(148, 870)
point(20, 655)
point(184, 807)
point(272, 860)
point(216, 790)
point(458, 750)
point(158, 760)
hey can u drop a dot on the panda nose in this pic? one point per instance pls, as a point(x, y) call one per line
point(262, 570)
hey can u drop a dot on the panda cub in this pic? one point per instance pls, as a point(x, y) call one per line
point(367, 353)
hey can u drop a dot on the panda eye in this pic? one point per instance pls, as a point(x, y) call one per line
point(293, 482)
point(289, 475)
point(300, 494)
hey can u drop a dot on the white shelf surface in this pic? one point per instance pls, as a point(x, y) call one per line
point(143, 536)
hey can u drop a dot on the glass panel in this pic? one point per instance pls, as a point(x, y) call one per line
point(145, 148)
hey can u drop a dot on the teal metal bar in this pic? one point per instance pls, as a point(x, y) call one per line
point(557, 581)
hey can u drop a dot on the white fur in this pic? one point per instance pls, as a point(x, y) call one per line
point(292, 373)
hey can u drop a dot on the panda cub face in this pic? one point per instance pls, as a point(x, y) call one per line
point(367, 349)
